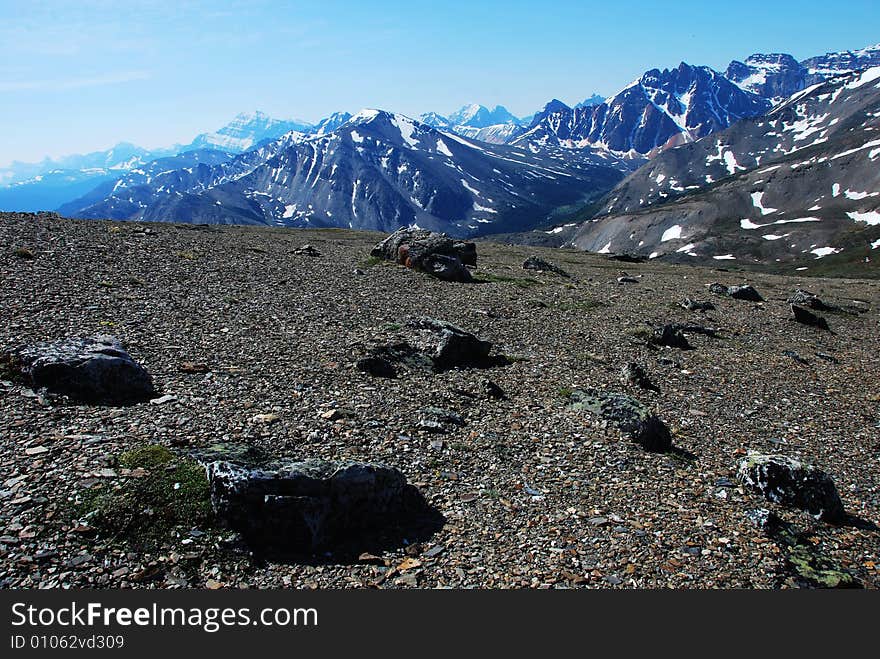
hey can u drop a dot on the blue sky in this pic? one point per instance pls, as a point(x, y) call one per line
point(81, 75)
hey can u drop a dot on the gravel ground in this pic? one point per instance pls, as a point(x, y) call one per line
point(533, 494)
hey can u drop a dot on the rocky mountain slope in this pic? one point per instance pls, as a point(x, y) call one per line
point(248, 338)
point(795, 186)
point(377, 171)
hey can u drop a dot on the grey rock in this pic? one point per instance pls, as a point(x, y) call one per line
point(627, 280)
point(86, 369)
point(629, 415)
point(790, 482)
point(443, 416)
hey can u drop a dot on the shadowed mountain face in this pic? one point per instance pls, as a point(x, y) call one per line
point(377, 171)
point(660, 109)
point(800, 184)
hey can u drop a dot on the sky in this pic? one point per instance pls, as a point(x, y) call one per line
point(81, 75)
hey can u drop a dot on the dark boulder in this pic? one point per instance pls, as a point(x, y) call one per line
point(449, 346)
point(94, 370)
point(807, 299)
point(792, 483)
point(805, 317)
point(307, 250)
point(539, 264)
point(627, 258)
point(428, 251)
point(434, 345)
point(697, 305)
point(377, 366)
point(635, 374)
point(629, 415)
point(307, 505)
point(748, 293)
point(670, 335)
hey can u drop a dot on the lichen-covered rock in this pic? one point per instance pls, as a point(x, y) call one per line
point(790, 482)
point(536, 263)
point(85, 369)
point(629, 415)
point(428, 251)
point(306, 505)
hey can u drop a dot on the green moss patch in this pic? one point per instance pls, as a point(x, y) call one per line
point(164, 494)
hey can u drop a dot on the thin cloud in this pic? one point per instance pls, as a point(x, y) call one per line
point(74, 83)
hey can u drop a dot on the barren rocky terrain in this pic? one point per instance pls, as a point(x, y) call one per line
point(249, 339)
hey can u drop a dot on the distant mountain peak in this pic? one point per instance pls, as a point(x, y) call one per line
point(479, 116)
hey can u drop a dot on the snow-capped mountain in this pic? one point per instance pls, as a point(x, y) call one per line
point(496, 134)
point(331, 123)
point(435, 120)
point(377, 171)
point(777, 76)
point(144, 174)
point(477, 122)
point(659, 110)
point(593, 99)
point(829, 65)
point(479, 116)
point(51, 184)
point(798, 185)
point(245, 131)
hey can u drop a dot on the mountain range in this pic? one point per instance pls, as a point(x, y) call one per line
point(705, 136)
point(800, 184)
point(378, 170)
